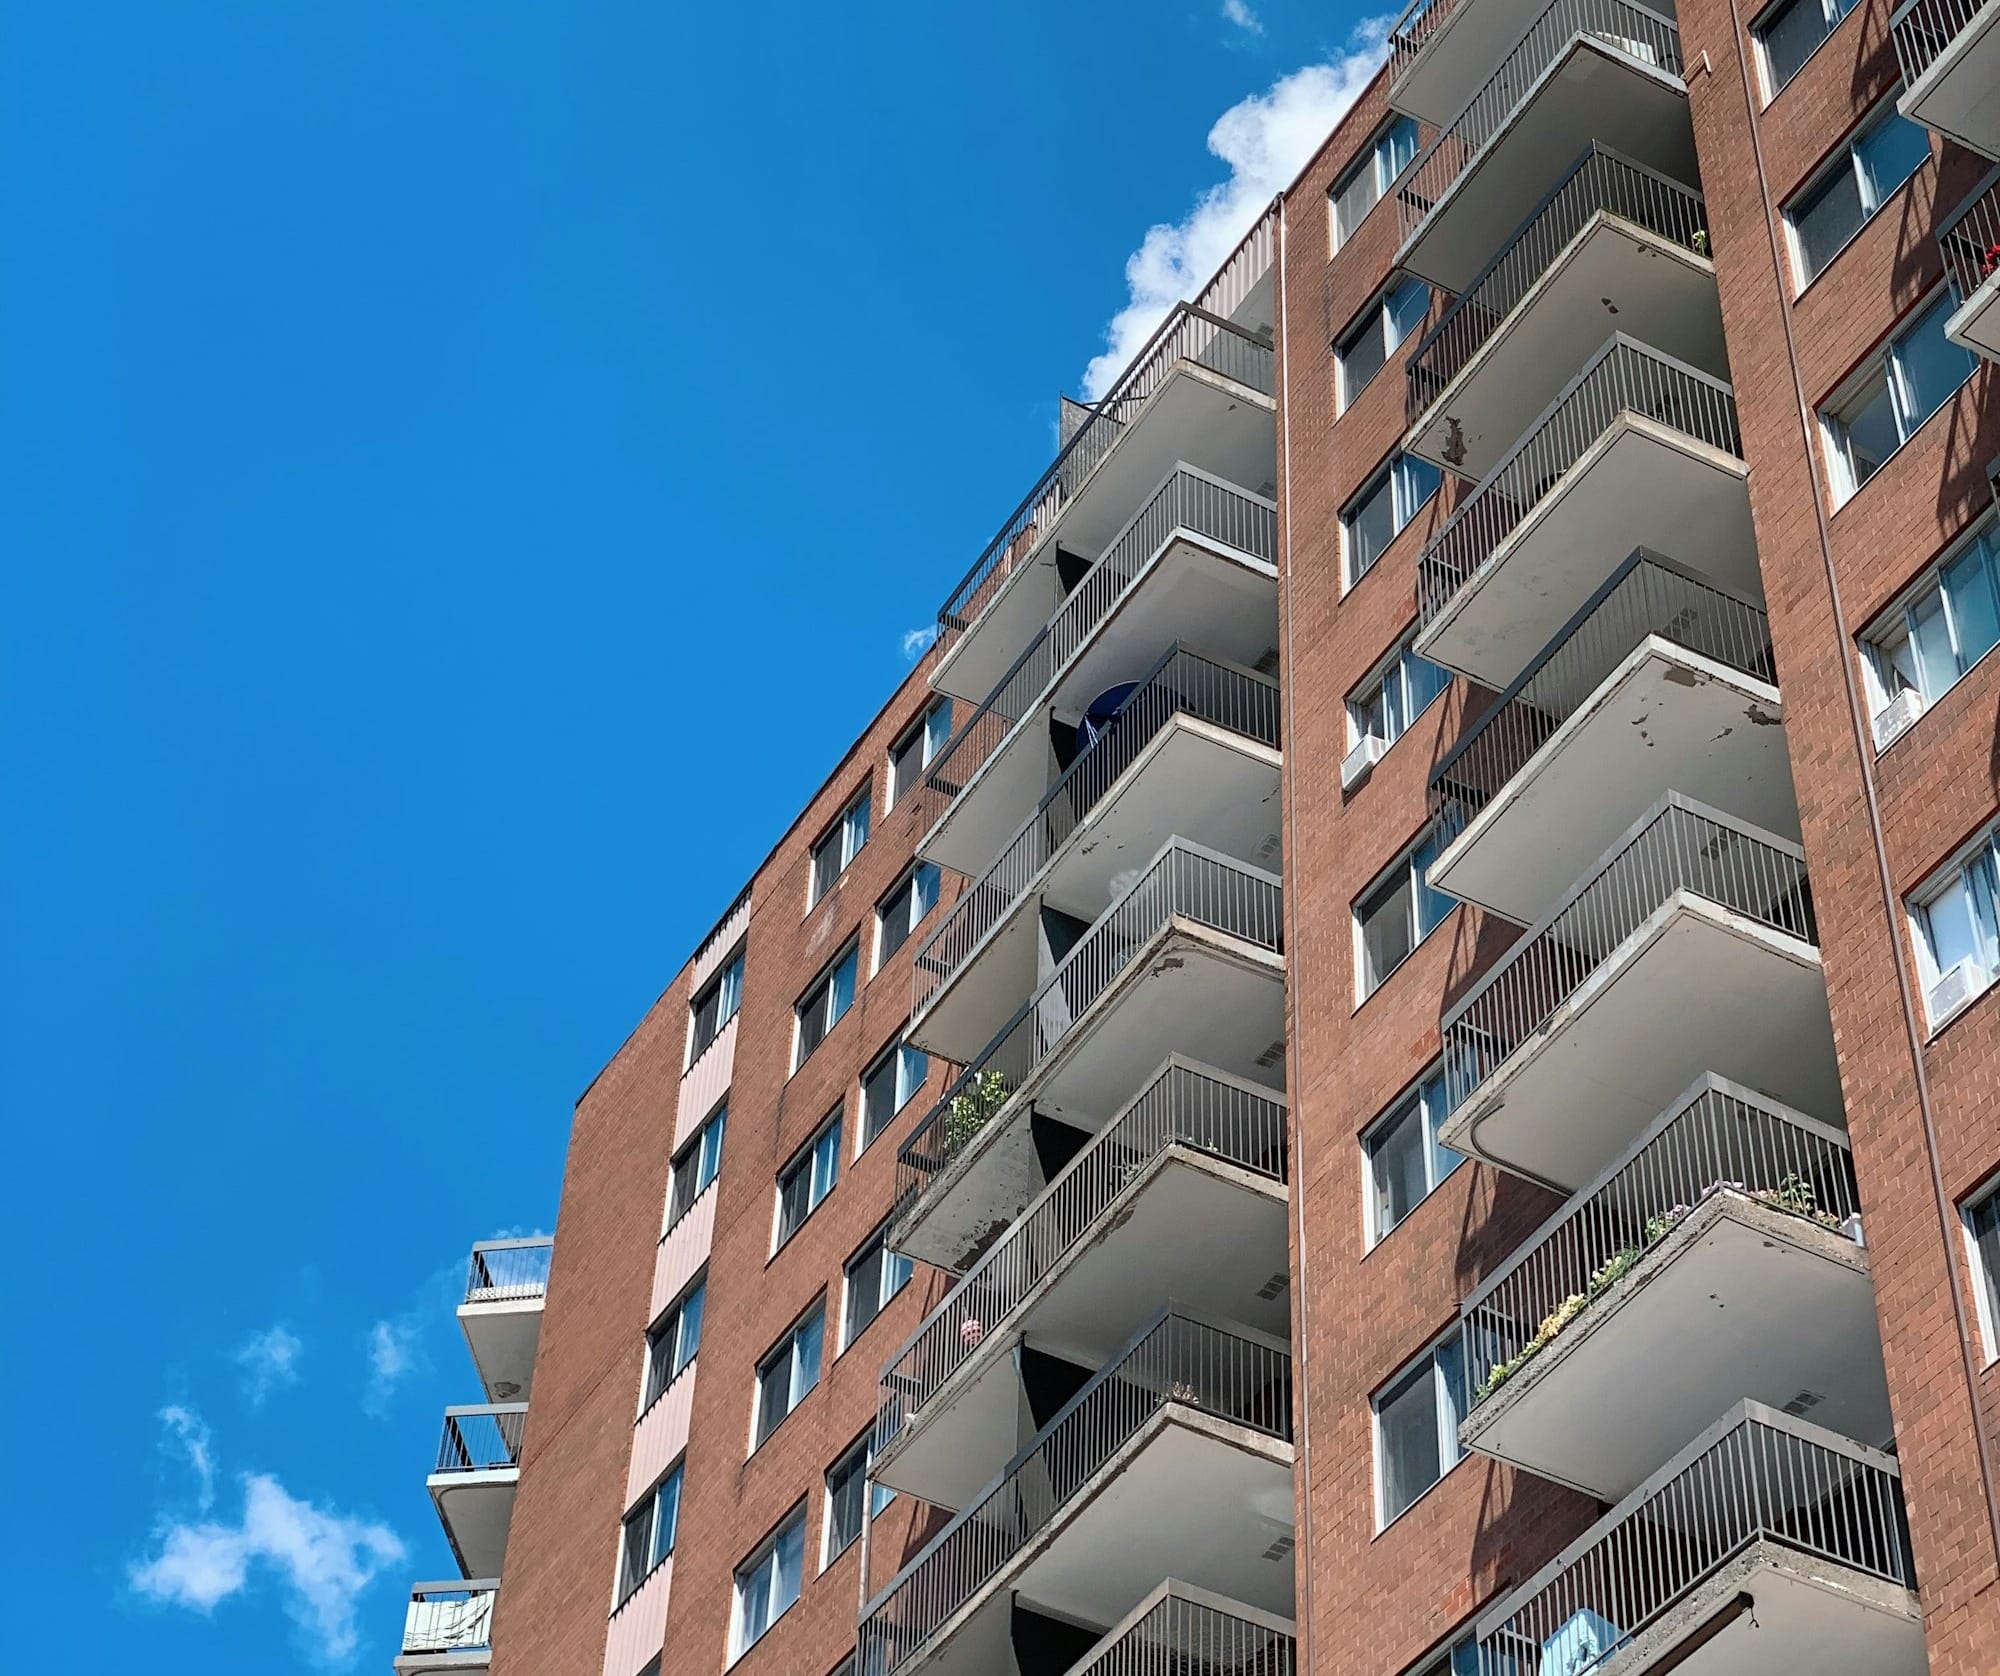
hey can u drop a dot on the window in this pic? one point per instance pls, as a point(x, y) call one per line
point(1853, 187)
point(767, 1583)
point(1397, 696)
point(696, 1165)
point(1366, 349)
point(1952, 620)
point(1982, 1228)
point(888, 1085)
point(1416, 1427)
point(673, 1341)
point(1399, 912)
point(1361, 188)
point(715, 1006)
point(846, 1485)
point(807, 1179)
point(789, 1370)
point(1790, 33)
point(649, 1533)
point(1957, 931)
point(1376, 515)
point(875, 1274)
point(917, 749)
point(823, 1006)
point(1406, 1161)
point(1462, 1659)
point(832, 854)
point(1880, 408)
point(903, 909)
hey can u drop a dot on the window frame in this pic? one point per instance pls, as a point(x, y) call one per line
point(694, 1151)
point(850, 832)
point(1388, 475)
point(1395, 666)
point(726, 990)
point(1411, 1105)
point(1433, 829)
point(784, 1349)
point(1376, 316)
point(1760, 27)
point(674, 1316)
point(1449, 1452)
point(1894, 623)
point(821, 992)
point(920, 734)
point(648, 1508)
point(1369, 157)
point(767, 1551)
point(1918, 905)
point(892, 1059)
point(1984, 1201)
point(1881, 362)
point(818, 1163)
point(874, 1498)
point(877, 1243)
point(904, 897)
point(1846, 155)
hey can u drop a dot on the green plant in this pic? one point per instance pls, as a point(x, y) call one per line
point(1617, 1265)
point(984, 1094)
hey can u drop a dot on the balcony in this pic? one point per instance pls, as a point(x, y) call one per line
point(1193, 749)
point(1689, 948)
point(1202, 391)
point(1179, 1630)
point(478, 1471)
point(1603, 70)
point(1949, 53)
point(1614, 240)
point(1639, 451)
point(1187, 960)
point(1199, 558)
point(502, 1312)
point(1765, 1544)
point(1970, 243)
point(1181, 1196)
point(1726, 1241)
point(1174, 1460)
point(1661, 682)
point(448, 1627)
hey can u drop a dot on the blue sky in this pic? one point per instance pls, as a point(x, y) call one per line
point(435, 435)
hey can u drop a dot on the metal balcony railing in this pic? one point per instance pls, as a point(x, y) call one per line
point(450, 1617)
point(1634, 30)
point(1411, 33)
point(1923, 29)
point(1678, 846)
point(1177, 1361)
point(1624, 377)
point(1646, 595)
point(1183, 1631)
point(1185, 1105)
point(1182, 682)
point(1969, 239)
point(1191, 334)
point(1188, 500)
point(1757, 1475)
point(482, 1437)
point(1717, 1138)
point(509, 1271)
point(1601, 181)
point(1183, 881)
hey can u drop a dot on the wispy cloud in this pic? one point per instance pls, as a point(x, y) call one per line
point(393, 1354)
point(1265, 140)
point(322, 1562)
point(1236, 12)
point(270, 1359)
point(917, 641)
point(188, 1436)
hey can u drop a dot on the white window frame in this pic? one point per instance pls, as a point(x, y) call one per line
point(893, 1263)
point(1883, 364)
point(648, 1508)
point(906, 898)
point(1918, 907)
point(1406, 862)
point(1449, 1452)
point(787, 1349)
point(844, 840)
point(818, 1162)
point(765, 1553)
point(1883, 681)
point(704, 1152)
point(1761, 26)
point(821, 992)
point(1395, 667)
point(900, 1061)
point(1376, 316)
point(874, 1498)
point(928, 734)
point(1848, 156)
point(680, 1355)
point(1427, 1102)
point(1402, 509)
point(1374, 158)
point(1984, 1199)
point(726, 990)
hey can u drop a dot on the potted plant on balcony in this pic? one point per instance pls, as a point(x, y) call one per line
point(982, 1096)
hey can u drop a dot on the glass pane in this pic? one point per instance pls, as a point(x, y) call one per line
point(1405, 310)
point(789, 1565)
point(690, 1328)
point(843, 1504)
point(1408, 1420)
point(1975, 611)
point(1789, 35)
point(755, 1588)
point(864, 1290)
point(1432, 905)
point(1949, 928)
point(1864, 432)
point(1930, 366)
point(1986, 1237)
point(1930, 635)
point(878, 1100)
point(1416, 481)
point(924, 891)
point(895, 924)
point(937, 729)
point(667, 1517)
point(806, 1353)
point(1425, 679)
point(1393, 718)
point(1385, 932)
point(1370, 528)
point(912, 1066)
point(774, 1385)
point(826, 867)
point(1352, 201)
point(711, 1148)
point(1361, 356)
point(904, 764)
point(1396, 1160)
point(896, 1270)
point(1980, 886)
point(1889, 153)
point(731, 992)
point(638, 1548)
point(841, 991)
point(1437, 1107)
point(1825, 219)
point(1396, 150)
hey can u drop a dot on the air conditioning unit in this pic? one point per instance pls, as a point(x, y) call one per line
point(1897, 717)
point(1354, 767)
point(1961, 984)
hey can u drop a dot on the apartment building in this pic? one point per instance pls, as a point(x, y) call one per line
point(1384, 1061)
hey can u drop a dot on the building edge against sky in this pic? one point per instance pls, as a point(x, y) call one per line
point(1517, 1193)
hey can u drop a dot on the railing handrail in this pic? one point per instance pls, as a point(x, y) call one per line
point(1173, 1590)
point(1968, 268)
point(1126, 1136)
point(490, 1447)
point(1671, 800)
point(1918, 49)
point(950, 621)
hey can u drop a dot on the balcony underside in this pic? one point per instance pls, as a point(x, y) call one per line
point(1640, 484)
point(1189, 1496)
point(1612, 277)
point(1192, 589)
point(1666, 719)
point(1696, 988)
point(1593, 91)
point(1195, 780)
point(1459, 55)
point(476, 1509)
point(1827, 1618)
point(1207, 1234)
point(1201, 417)
point(1192, 991)
point(502, 1337)
point(1740, 1300)
point(1958, 94)
point(1976, 322)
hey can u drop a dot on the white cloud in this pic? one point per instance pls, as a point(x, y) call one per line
point(1265, 140)
point(269, 1360)
point(190, 1435)
point(1236, 12)
point(322, 1560)
point(917, 641)
point(392, 1354)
